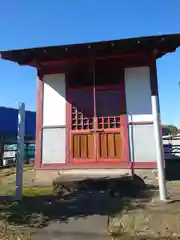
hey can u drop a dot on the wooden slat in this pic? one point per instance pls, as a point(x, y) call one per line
point(83, 146)
point(84, 152)
point(76, 146)
point(110, 143)
point(117, 142)
point(90, 145)
point(103, 145)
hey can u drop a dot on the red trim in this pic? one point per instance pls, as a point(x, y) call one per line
point(123, 130)
point(125, 135)
point(71, 159)
point(139, 165)
point(143, 123)
point(39, 121)
point(100, 165)
point(97, 165)
point(140, 123)
point(51, 63)
point(112, 55)
point(86, 58)
point(69, 114)
point(90, 89)
point(65, 68)
point(124, 121)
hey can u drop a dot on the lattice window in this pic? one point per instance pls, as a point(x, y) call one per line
point(107, 105)
point(79, 121)
point(82, 110)
point(108, 122)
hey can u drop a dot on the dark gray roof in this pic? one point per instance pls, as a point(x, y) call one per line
point(162, 43)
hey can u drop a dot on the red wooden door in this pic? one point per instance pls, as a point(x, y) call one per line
point(96, 129)
point(82, 137)
point(109, 134)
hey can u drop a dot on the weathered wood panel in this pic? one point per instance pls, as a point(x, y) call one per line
point(110, 145)
point(83, 146)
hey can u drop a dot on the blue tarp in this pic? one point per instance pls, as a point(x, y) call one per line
point(9, 121)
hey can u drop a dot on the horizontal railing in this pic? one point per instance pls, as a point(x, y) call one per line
point(171, 146)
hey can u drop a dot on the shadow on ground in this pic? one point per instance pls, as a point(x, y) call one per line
point(77, 199)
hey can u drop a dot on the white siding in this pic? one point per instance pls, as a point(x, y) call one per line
point(139, 109)
point(54, 100)
point(54, 119)
point(53, 147)
point(142, 143)
point(138, 94)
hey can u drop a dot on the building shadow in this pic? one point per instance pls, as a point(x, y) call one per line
point(78, 199)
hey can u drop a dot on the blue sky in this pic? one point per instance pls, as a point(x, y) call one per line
point(32, 23)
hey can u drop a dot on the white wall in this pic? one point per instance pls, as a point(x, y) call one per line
point(54, 119)
point(139, 109)
point(53, 147)
point(138, 94)
point(142, 143)
point(54, 100)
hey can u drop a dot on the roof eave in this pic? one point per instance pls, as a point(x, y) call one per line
point(163, 44)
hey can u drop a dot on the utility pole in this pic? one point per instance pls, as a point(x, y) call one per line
point(159, 147)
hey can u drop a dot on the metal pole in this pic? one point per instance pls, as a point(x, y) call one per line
point(20, 152)
point(159, 148)
point(2, 162)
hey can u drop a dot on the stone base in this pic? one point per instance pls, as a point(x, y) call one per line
point(48, 176)
point(148, 175)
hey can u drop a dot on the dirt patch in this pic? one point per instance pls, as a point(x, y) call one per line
point(8, 179)
point(10, 232)
point(148, 219)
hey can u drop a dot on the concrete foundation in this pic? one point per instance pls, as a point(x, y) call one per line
point(48, 176)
